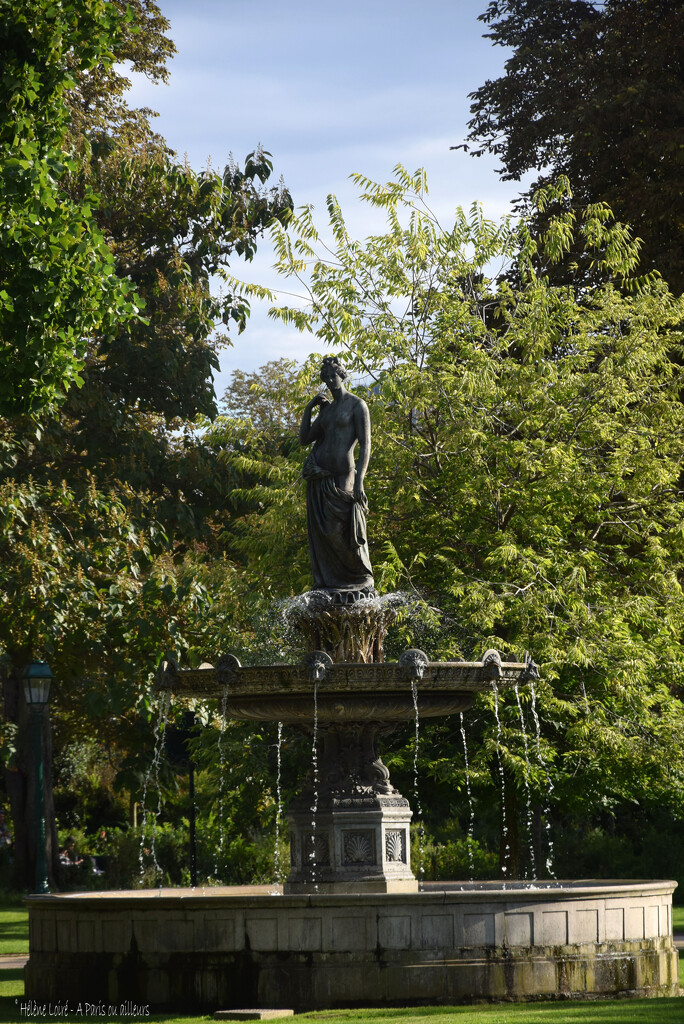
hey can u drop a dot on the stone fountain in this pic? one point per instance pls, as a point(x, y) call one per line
point(358, 838)
point(350, 926)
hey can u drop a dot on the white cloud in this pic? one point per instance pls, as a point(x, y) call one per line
point(328, 89)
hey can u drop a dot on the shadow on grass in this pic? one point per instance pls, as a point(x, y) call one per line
point(626, 1011)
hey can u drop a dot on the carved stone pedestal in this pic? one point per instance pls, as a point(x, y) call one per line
point(361, 847)
point(349, 626)
point(357, 840)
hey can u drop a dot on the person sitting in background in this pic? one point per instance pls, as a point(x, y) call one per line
point(69, 856)
point(5, 834)
point(99, 860)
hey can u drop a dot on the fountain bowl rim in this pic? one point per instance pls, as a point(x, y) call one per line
point(482, 891)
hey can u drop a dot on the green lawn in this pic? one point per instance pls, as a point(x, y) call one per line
point(678, 919)
point(13, 926)
point(641, 1011)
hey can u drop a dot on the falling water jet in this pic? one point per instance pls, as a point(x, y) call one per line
point(504, 822)
point(471, 808)
point(544, 765)
point(530, 831)
point(314, 806)
point(416, 792)
point(159, 743)
point(222, 760)
point(153, 771)
point(279, 806)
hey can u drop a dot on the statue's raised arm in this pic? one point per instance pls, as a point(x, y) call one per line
point(335, 497)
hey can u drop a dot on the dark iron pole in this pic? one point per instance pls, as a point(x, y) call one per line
point(41, 879)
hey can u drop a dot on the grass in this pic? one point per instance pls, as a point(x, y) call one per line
point(639, 1011)
point(13, 926)
point(678, 919)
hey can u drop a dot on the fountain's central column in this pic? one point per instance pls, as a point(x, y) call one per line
point(349, 826)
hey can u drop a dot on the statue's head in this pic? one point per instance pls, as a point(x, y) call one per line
point(332, 364)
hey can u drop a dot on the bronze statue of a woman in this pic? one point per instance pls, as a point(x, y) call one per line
point(336, 502)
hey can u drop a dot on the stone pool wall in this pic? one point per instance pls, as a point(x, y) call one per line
point(236, 947)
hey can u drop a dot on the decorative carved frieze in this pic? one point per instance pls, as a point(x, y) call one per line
point(395, 846)
point(359, 847)
point(317, 848)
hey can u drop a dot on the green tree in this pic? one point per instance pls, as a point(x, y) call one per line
point(98, 107)
point(83, 583)
point(107, 494)
point(525, 479)
point(57, 276)
point(593, 91)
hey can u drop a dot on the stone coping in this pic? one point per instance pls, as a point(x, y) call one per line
point(282, 679)
point(252, 1014)
point(432, 892)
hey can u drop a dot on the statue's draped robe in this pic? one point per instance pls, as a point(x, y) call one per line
point(338, 543)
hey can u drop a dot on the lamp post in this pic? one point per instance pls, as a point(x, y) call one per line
point(36, 679)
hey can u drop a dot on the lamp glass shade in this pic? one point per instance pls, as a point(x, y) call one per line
point(37, 678)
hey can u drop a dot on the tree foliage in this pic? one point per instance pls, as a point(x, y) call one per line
point(525, 476)
point(57, 277)
point(98, 108)
point(595, 92)
point(107, 494)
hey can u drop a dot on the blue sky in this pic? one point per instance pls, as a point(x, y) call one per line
point(328, 89)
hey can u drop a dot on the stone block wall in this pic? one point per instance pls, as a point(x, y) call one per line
point(449, 944)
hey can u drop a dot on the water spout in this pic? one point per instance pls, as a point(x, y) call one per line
point(491, 665)
point(318, 664)
point(531, 669)
point(225, 669)
point(413, 663)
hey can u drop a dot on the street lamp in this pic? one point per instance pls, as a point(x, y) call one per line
point(36, 679)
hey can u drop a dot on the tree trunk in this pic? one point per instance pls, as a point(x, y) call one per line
point(20, 780)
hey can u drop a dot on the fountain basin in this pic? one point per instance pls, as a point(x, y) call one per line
point(345, 692)
point(452, 943)
point(358, 840)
